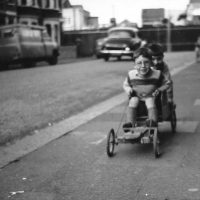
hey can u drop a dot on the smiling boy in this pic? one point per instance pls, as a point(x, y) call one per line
point(143, 84)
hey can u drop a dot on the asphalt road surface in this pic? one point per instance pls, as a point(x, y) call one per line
point(34, 98)
point(76, 166)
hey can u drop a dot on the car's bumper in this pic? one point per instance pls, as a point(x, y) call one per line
point(116, 52)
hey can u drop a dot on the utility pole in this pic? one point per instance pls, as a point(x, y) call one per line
point(169, 48)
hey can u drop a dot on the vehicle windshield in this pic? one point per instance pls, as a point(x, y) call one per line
point(121, 34)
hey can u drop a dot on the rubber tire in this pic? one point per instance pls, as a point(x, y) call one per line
point(106, 58)
point(110, 147)
point(156, 148)
point(173, 121)
point(119, 58)
point(28, 64)
point(53, 60)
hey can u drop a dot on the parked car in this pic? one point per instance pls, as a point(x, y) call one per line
point(121, 41)
point(26, 45)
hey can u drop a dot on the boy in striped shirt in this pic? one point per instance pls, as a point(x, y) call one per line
point(144, 83)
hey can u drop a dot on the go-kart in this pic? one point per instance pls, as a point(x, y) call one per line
point(143, 132)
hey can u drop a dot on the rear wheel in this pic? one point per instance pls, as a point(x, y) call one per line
point(53, 60)
point(156, 144)
point(110, 143)
point(28, 64)
point(173, 121)
point(118, 58)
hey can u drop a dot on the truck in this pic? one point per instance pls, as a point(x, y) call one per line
point(26, 45)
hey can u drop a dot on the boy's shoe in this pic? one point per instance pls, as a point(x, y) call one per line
point(127, 126)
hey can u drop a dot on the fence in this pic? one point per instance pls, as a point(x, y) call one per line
point(181, 38)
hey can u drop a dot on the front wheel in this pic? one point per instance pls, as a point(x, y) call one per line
point(106, 58)
point(110, 143)
point(53, 60)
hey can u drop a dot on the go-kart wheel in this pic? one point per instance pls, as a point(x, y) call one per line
point(173, 121)
point(110, 143)
point(156, 144)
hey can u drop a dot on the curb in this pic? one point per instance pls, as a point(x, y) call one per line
point(30, 143)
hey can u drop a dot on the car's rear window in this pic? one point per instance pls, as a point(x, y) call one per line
point(121, 34)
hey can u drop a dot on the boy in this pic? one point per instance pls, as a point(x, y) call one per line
point(143, 83)
point(159, 64)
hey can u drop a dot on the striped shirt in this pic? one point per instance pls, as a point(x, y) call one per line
point(145, 86)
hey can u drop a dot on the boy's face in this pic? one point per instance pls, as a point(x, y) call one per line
point(143, 65)
point(157, 60)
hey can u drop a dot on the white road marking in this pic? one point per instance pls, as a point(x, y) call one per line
point(197, 102)
point(193, 189)
point(176, 70)
point(99, 141)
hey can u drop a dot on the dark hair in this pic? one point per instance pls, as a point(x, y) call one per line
point(143, 51)
point(156, 49)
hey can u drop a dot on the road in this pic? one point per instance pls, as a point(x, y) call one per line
point(33, 98)
point(76, 166)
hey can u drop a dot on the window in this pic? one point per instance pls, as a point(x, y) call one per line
point(55, 4)
point(24, 22)
point(2, 21)
point(47, 4)
point(8, 34)
point(121, 33)
point(34, 23)
point(11, 2)
point(11, 20)
point(49, 31)
point(59, 4)
point(24, 2)
point(56, 33)
point(39, 3)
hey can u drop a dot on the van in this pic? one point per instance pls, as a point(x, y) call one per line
point(26, 45)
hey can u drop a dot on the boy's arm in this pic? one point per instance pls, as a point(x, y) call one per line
point(164, 83)
point(127, 86)
point(166, 72)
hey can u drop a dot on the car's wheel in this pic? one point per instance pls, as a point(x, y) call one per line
point(106, 58)
point(118, 58)
point(28, 64)
point(53, 60)
point(98, 56)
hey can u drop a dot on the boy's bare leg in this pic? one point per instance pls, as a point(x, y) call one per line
point(132, 115)
point(153, 115)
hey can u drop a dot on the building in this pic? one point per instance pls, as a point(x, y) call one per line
point(152, 17)
point(193, 12)
point(76, 18)
point(8, 12)
point(128, 23)
point(33, 12)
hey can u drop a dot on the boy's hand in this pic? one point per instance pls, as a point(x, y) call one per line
point(130, 92)
point(156, 93)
